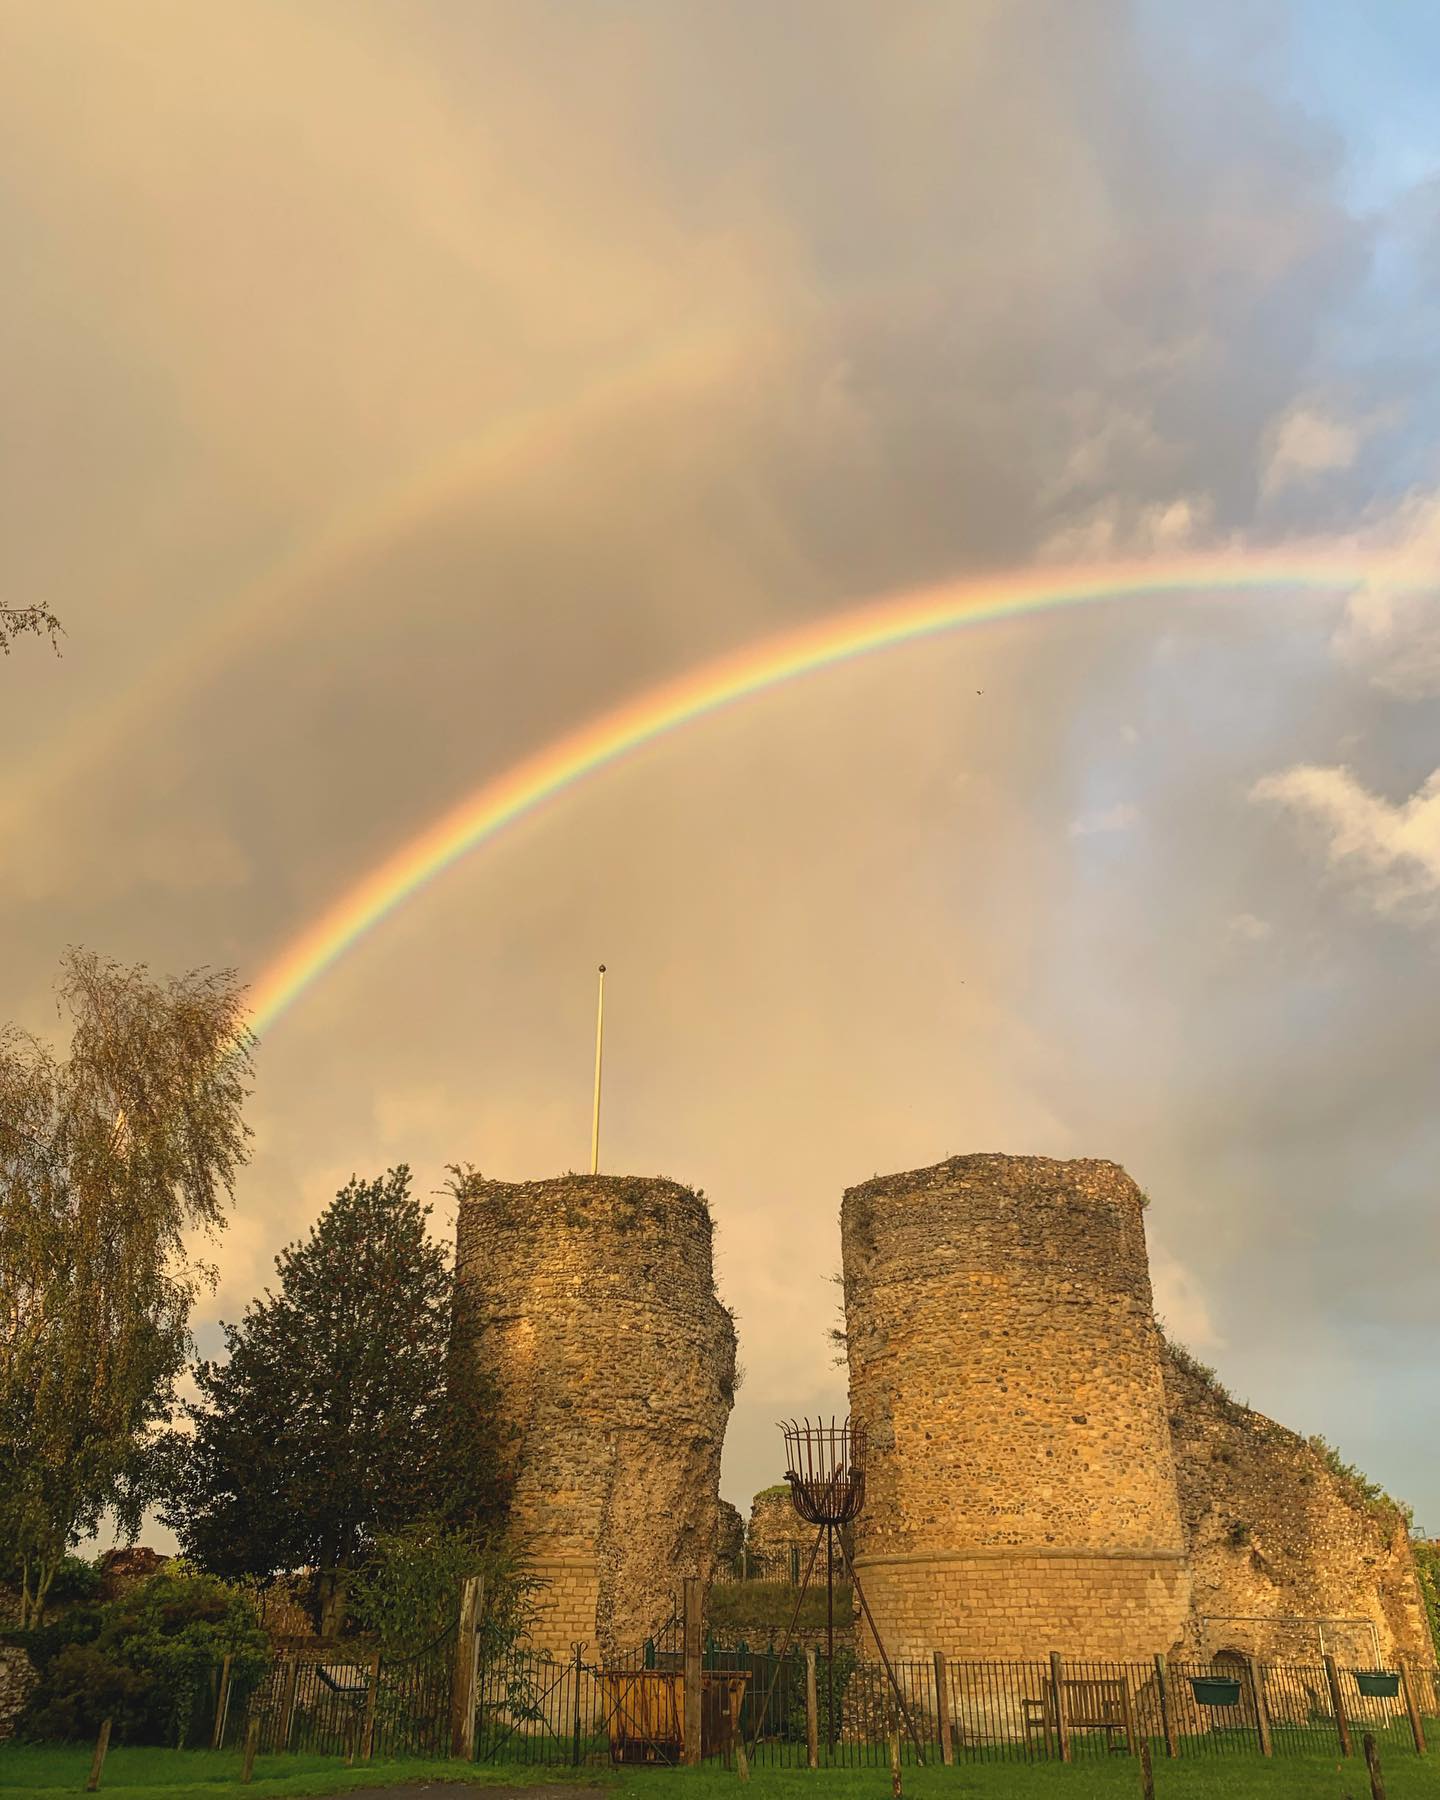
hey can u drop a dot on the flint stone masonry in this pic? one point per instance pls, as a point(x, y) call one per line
point(17, 1678)
point(593, 1308)
point(775, 1529)
point(729, 1538)
point(1005, 1359)
point(128, 1567)
point(1275, 1531)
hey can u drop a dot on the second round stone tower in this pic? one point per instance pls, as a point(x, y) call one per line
point(1004, 1356)
point(590, 1302)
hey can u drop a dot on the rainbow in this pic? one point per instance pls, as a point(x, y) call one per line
point(743, 674)
point(683, 367)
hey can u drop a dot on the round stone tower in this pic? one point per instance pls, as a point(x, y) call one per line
point(1004, 1356)
point(590, 1302)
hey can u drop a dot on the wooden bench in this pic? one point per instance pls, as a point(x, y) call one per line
point(1096, 1704)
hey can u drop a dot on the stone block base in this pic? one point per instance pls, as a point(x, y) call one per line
point(1003, 1603)
point(565, 1606)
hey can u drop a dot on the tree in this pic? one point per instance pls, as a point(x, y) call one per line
point(345, 1409)
point(111, 1162)
point(15, 621)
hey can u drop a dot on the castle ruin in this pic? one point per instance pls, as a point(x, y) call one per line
point(1005, 1360)
point(590, 1302)
point(1046, 1473)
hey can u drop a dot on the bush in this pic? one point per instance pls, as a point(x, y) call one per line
point(83, 1686)
point(760, 1610)
point(146, 1661)
point(76, 1583)
point(408, 1593)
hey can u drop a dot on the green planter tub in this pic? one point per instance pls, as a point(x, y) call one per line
point(1215, 1690)
point(1377, 1684)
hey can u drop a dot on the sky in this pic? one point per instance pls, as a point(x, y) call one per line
point(391, 390)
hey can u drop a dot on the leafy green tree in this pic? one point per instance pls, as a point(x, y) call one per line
point(113, 1164)
point(147, 1661)
point(345, 1408)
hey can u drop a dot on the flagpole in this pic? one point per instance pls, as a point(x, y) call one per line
point(599, 1052)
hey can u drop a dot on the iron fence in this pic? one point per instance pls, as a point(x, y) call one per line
point(328, 1701)
point(544, 1709)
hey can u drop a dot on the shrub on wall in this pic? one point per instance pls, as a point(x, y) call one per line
point(1427, 1567)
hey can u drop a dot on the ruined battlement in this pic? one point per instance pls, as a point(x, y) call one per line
point(590, 1301)
point(1005, 1360)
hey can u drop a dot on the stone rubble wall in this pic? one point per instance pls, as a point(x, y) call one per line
point(729, 1538)
point(17, 1679)
point(774, 1530)
point(1274, 1531)
point(1005, 1360)
point(592, 1305)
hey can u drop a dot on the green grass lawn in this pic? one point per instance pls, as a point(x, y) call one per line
point(138, 1774)
point(144, 1774)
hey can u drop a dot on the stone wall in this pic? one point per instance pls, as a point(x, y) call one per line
point(1005, 1360)
point(1275, 1530)
point(775, 1529)
point(729, 1538)
point(17, 1678)
point(593, 1307)
point(125, 1568)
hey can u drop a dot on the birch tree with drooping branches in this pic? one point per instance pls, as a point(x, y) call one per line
point(117, 1166)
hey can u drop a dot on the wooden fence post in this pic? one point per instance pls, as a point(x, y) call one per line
point(462, 1675)
point(252, 1744)
point(942, 1709)
point(694, 1646)
point(1337, 1700)
point(287, 1710)
point(97, 1762)
point(737, 1736)
point(222, 1701)
point(1372, 1763)
point(372, 1695)
point(1417, 1730)
point(1167, 1718)
point(812, 1712)
point(1057, 1702)
point(1147, 1771)
point(1256, 1672)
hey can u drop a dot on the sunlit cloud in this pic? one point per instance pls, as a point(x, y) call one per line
point(1388, 851)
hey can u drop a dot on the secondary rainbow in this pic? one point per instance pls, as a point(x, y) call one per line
point(741, 675)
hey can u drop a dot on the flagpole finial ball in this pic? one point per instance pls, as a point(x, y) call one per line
point(602, 968)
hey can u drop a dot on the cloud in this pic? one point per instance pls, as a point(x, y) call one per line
point(1307, 442)
point(1120, 817)
point(1391, 629)
point(1390, 852)
point(1248, 929)
point(1180, 1302)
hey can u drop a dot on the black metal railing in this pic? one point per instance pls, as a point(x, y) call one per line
point(577, 1709)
